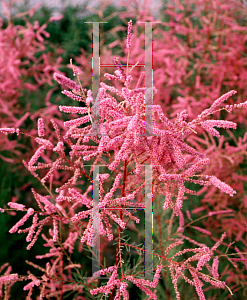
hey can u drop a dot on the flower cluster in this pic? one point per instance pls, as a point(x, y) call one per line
point(122, 148)
point(121, 285)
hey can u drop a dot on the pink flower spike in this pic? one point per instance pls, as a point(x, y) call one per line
point(223, 98)
point(59, 147)
point(221, 124)
point(55, 18)
point(30, 211)
point(241, 255)
point(36, 156)
point(34, 282)
point(202, 230)
point(239, 259)
point(211, 213)
point(41, 127)
point(55, 230)
point(222, 186)
point(61, 79)
point(198, 285)
point(188, 214)
point(129, 34)
point(73, 109)
point(31, 231)
point(16, 206)
point(215, 267)
point(9, 278)
point(6, 131)
point(89, 98)
point(77, 122)
point(172, 246)
point(44, 142)
point(72, 96)
point(218, 243)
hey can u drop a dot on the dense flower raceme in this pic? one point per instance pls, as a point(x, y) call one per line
point(122, 285)
point(123, 125)
point(194, 62)
point(227, 163)
point(198, 57)
point(21, 70)
point(122, 147)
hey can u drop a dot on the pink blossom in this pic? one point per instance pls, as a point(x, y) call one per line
point(241, 255)
point(223, 98)
point(218, 243)
point(77, 122)
point(9, 278)
point(55, 230)
point(32, 228)
point(34, 282)
point(59, 147)
point(73, 109)
point(215, 267)
point(128, 45)
point(171, 246)
point(89, 98)
point(202, 230)
point(30, 211)
point(123, 148)
point(222, 186)
point(198, 285)
point(16, 206)
point(211, 213)
point(72, 96)
point(66, 81)
point(55, 18)
point(9, 130)
point(36, 156)
point(41, 128)
point(44, 142)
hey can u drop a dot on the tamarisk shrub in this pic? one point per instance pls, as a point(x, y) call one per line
point(195, 60)
point(122, 148)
